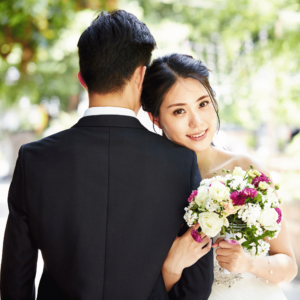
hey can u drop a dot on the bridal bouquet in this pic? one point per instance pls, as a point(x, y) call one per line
point(242, 204)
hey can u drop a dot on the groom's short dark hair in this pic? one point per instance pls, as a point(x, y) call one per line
point(110, 50)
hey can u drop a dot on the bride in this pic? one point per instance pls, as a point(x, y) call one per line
point(179, 99)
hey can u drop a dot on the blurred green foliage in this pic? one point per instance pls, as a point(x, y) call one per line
point(251, 47)
point(34, 37)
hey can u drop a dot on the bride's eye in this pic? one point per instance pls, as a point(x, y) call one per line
point(204, 103)
point(179, 111)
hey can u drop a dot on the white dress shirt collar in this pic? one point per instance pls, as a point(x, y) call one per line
point(108, 110)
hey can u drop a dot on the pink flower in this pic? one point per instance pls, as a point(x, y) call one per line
point(248, 192)
point(260, 178)
point(232, 242)
point(196, 236)
point(278, 210)
point(238, 198)
point(192, 195)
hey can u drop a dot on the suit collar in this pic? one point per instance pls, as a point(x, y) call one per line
point(109, 121)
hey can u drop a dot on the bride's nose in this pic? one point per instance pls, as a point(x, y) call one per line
point(195, 120)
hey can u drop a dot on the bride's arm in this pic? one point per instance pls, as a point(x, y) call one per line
point(279, 267)
point(281, 262)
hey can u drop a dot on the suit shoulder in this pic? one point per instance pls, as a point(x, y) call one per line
point(165, 142)
point(46, 141)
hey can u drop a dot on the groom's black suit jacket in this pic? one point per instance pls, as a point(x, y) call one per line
point(103, 201)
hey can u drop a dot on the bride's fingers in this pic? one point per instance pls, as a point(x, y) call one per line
point(216, 243)
point(223, 259)
point(196, 226)
point(206, 249)
point(189, 231)
point(224, 252)
point(205, 241)
point(225, 245)
point(224, 265)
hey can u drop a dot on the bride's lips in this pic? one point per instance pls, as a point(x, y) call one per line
point(198, 136)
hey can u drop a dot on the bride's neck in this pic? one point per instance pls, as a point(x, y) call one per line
point(205, 160)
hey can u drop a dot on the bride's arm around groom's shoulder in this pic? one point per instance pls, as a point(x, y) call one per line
point(280, 266)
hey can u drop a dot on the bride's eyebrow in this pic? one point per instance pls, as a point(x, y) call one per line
point(182, 104)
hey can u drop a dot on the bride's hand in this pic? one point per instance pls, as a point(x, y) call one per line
point(232, 257)
point(185, 252)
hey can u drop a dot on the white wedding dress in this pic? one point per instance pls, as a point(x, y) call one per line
point(247, 288)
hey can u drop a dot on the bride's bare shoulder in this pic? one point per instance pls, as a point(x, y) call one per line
point(242, 160)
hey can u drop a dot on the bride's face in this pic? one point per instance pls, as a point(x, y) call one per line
point(187, 115)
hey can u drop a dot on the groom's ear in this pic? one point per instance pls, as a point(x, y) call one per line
point(81, 81)
point(139, 75)
point(154, 120)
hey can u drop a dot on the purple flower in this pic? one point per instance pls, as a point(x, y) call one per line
point(248, 192)
point(278, 210)
point(192, 196)
point(260, 178)
point(238, 198)
point(232, 242)
point(196, 236)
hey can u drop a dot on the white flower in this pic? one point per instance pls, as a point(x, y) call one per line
point(271, 198)
point(218, 191)
point(206, 182)
point(217, 178)
point(239, 172)
point(225, 222)
point(228, 177)
point(250, 213)
point(239, 235)
point(257, 173)
point(268, 218)
point(210, 223)
point(251, 174)
point(259, 232)
point(252, 251)
point(263, 185)
point(237, 183)
point(262, 248)
point(191, 204)
point(190, 217)
point(277, 232)
point(202, 195)
point(211, 206)
point(250, 185)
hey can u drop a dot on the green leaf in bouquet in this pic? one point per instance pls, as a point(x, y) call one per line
point(223, 230)
point(269, 233)
point(258, 198)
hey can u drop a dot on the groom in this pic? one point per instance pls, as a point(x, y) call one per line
point(103, 200)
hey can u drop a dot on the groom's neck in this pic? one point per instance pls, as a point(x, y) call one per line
point(125, 99)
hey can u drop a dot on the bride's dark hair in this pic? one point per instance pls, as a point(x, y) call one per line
point(163, 74)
